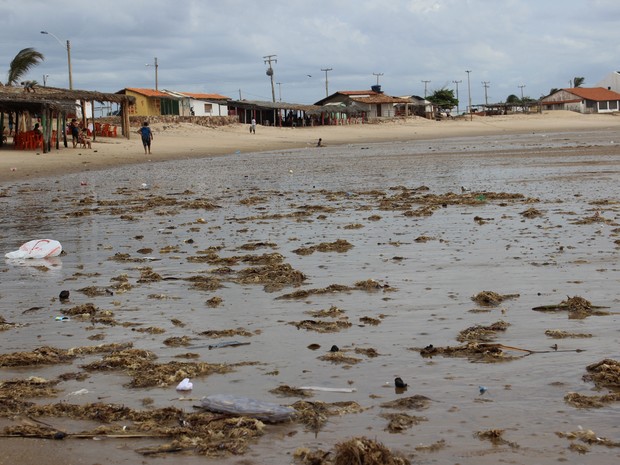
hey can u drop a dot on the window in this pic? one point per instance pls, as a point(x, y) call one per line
point(208, 108)
point(613, 105)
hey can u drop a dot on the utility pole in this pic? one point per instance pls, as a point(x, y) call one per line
point(425, 83)
point(268, 59)
point(156, 66)
point(326, 84)
point(457, 95)
point(522, 104)
point(377, 74)
point(485, 84)
point(279, 90)
point(469, 94)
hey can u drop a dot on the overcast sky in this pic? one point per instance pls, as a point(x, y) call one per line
point(217, 46)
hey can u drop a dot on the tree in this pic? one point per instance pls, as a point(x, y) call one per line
point(21, 64)
point(443, 99)
point(512, 99)
point(578, 81)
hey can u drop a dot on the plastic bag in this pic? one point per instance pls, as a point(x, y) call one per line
point(38, 248)
point(265, 411)
point(185, 385)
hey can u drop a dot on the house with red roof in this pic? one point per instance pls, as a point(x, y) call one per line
point(583, 100)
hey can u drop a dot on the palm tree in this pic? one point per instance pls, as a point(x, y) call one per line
point(578, 81)
point(21, 64)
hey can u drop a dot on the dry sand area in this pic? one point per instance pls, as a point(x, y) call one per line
point(411, 293)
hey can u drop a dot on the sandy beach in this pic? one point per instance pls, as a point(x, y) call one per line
point(477, 261)
point(185, 141)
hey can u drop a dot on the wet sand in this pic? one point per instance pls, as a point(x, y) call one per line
point(429, 222)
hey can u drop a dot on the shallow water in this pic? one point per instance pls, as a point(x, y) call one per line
point(568, 177)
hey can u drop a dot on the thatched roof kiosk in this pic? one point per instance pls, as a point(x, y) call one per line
point(50, 102)
point(267, 113)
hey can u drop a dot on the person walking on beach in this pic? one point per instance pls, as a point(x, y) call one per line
point(253, 126)
point(147, 136)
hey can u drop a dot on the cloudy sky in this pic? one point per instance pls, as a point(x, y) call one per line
point(217, 46)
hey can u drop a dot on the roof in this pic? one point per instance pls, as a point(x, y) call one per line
point(204, 96)
point(357, 92)
point(594, 93)
point(258, 104)
point(13, 98)
point(380, 98)
point(145, 92)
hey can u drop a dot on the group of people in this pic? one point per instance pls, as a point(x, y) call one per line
point(80, 137)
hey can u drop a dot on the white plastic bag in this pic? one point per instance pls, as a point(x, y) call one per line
point(38, 248)
point(185, 385)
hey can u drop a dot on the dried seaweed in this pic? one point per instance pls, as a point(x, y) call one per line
point(582, 401)
point(577, 307)
point(399, 422)
point(495, 436)
point(559, 334)
point(416, 402)
point(604, 374)
point(481, 333)
point(322, 326)
point(492, 299)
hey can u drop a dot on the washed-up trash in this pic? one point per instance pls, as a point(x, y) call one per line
point(64, 295)
point(79, 392)
point(482, 389)
point(62, 318)
point(185, 385)
point(399, 383)
point(38, 248)
point(238, 405)
point(326, 389)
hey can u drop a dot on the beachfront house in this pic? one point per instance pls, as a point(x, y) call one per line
point(346, 106)
point(197, 104)
point(416, 106)
point(583, 100)
point(151, 102)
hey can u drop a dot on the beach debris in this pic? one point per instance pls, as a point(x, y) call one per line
point(334, 348)
point(217, 333)
point(560, 334)
point(327, 389)
point(339, 358)
point(62, 318)
point(322, 326)
point(30, 387)
point(247, 407)
point(482, 333)
point(302, 294)
point(362, 451)
point(589, 437)
point(495, 436)
point(416, 402)
point(482, 390)
point(577, 400)
point(315, 414)
point(399, 422)
point(273, 276)
point(37, 248)
point(64, 295)
point(531, 213)
point(492, 299)
point(577, 307)
point(331, 312)
point(285, 390)
point(340, 245)
point(369, 352)
point(185, 385)
point(604, 374)
point(399, 383)
point(474, 351)
point(434, 447)
point(177, 341)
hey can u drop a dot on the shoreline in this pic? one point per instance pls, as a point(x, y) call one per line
point(187, 141)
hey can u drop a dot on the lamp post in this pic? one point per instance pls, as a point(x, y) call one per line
point(469, 94)
point(155, 65)
point(68, 46)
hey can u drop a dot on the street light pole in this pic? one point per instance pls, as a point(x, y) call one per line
point(485, 84)
point(469, 94)
point(68, 46)
point(457, 95)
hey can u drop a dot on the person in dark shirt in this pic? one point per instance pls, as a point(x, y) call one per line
point(147, 136)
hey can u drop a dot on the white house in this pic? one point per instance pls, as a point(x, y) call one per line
point(196, 104)
point(372, 103)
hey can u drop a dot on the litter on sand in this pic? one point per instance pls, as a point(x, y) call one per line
point(244, 406)
point(38, 248)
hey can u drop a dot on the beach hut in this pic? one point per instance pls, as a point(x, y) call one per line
point(366, 104)
point(199, 104)
point(52, 106)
